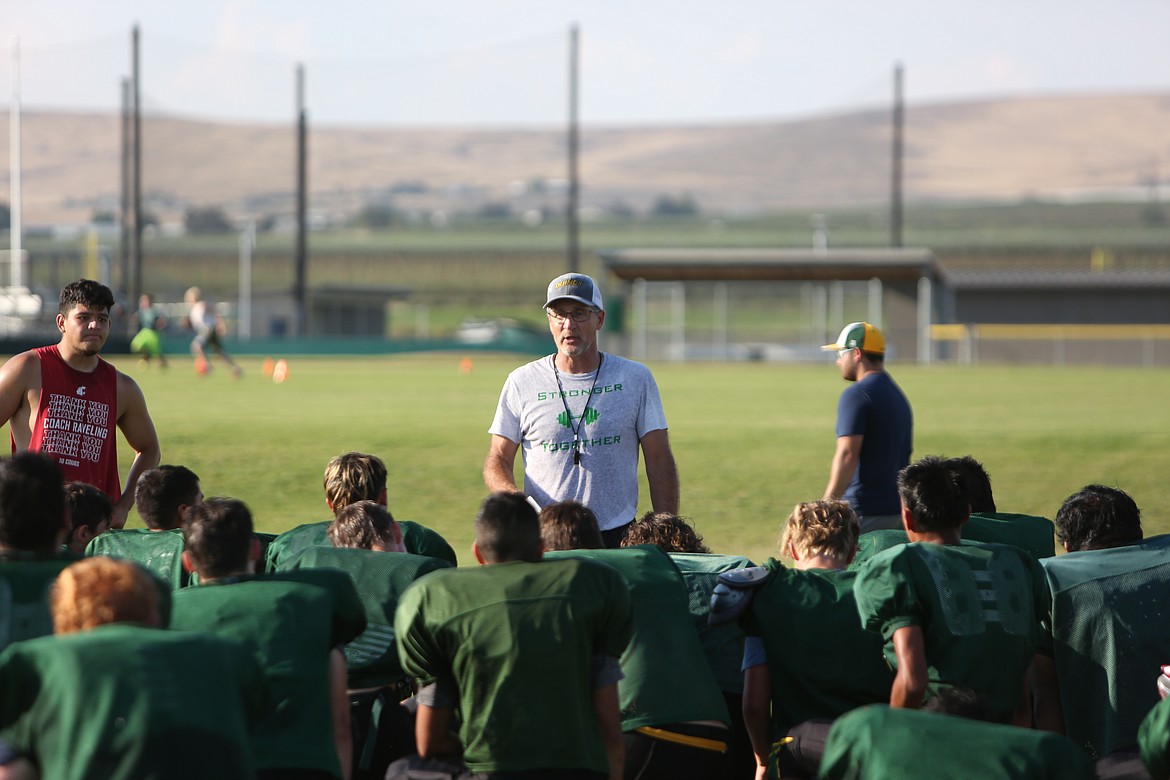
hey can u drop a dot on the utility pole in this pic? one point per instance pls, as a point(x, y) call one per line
point(15, 219)
point(136, 192)
point(124, 219)
point(300, 326)
point(896, 168)
point(573, 208)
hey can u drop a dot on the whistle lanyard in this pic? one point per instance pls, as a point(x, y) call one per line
point(584, 412)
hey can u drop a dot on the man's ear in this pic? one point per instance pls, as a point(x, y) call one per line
point(253, 554)
point(384, 498)
point(908, 520)
point(82, 534)
point(475, 551)
point(187, 565)
point(792, 551)
point(396, 536)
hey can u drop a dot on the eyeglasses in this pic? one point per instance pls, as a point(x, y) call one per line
point(576, 315)
point(843, 352)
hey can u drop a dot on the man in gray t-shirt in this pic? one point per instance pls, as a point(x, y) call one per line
point(580, 417)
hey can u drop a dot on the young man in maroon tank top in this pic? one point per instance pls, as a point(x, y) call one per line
point(65, 400)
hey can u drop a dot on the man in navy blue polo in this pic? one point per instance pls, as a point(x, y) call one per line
point(874, 430)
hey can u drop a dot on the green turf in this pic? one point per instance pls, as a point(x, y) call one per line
point(750, 439)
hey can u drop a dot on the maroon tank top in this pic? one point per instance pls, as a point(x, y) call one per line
point(76, 421)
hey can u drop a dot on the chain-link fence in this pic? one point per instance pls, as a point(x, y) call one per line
point(774, 321)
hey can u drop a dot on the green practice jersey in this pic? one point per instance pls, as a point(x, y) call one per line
point(667, 678)
point(979, 607)
point(293, 542)
point(125, 702)
point(821, 661)
point(265, 540)
point(417, 538)
point(421, 540)
point(723, 644)
point(294, 620)
point(871, 543)
point(25, 580)
point(1154, 740)
point(518, 639)
point(1108, 639)
point(380, 579)
point(1028, 532)
point(159, 551)
point(882, 742)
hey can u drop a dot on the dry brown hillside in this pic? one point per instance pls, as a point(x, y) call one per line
point(1003, 149)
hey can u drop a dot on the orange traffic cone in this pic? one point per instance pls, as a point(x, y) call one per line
point(267, 366)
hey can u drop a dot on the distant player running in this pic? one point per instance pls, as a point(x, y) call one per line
point(148, 341)
point(209, 328)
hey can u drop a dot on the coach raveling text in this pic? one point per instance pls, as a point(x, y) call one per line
point(581, 416)
point(64, 400)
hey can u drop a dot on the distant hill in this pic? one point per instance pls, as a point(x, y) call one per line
point(1055, 147)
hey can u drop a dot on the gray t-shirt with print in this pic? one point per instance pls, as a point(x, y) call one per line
point(602, 415)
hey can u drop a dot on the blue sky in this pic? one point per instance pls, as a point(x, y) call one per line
point(477, 62)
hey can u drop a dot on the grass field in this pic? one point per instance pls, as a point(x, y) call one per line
point(750, 439)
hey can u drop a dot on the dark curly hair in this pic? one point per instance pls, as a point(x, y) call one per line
point(1098, 517)
point(669, 532)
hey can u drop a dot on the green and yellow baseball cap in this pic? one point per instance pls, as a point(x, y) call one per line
point(859, 335)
